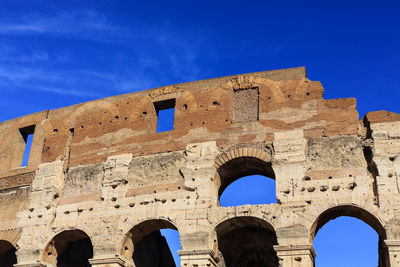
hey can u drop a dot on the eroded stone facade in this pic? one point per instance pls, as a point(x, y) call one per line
point(99, 175)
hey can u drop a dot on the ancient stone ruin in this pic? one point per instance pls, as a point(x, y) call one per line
point(101, 181)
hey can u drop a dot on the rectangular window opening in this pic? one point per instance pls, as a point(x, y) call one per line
point(27, 135)
point(165, 115)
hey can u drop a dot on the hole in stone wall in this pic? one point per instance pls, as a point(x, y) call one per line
point(27, 136)
point(165, 115)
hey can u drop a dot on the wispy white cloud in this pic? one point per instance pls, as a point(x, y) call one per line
point(67, 91)
point(11, 55)
point(56, 82)
point(82, 22)
point(172, 57)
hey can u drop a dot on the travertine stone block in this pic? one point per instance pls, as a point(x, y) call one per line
point(116, 169)
point(49, 176)
point(107, 261)
point(295, 256)
point(199, 258)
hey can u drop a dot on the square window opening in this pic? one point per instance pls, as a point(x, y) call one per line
point(27, 136)
point(165, 115)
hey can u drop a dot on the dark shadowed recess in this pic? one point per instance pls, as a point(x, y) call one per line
point(247, 241)
point(7, 254)
point(150, 247)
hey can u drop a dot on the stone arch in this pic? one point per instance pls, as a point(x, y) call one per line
point(90, 107)
point(65, 243)
point(354, 211)
point(143, 103)
point(247, 241)
point(242, 161)
point(7, 254)
point(144, 243)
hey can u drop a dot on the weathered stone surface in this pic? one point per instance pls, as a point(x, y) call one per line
point(83, 180)
point(101, 177)
point(158, 169)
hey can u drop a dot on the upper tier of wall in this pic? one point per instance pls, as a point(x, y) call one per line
point(230, 110)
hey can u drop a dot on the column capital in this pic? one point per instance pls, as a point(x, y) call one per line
point(295, 255)
point(202, 257)
point(295, 250)
point(115, 260)
point(30, 264)
point(392, 244)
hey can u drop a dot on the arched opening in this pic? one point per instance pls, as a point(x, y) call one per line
point(252, 189)
point(348, 236)
point(71, 248)
point(154, 244)
point(7, 254)
point(246, 180)
point(247, 241)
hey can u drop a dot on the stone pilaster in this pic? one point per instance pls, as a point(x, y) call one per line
point(107, 261)
point(295, 256)
point(199, 258)
point(393, 247)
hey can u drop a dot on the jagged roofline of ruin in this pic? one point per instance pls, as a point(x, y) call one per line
point(44, 121)
point(275, 75)
point(100, 172)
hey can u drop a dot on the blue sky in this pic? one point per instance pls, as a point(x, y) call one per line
point(59, 53)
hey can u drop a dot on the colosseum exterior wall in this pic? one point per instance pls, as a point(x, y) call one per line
point(100, 172)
